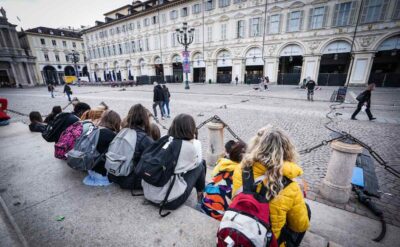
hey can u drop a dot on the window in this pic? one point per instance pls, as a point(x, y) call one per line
point(240, 29)
point(83, 45)
point(67, 58)
point(140, 45)
point(316, 18)
point(184, 12)
point(224, 3)
point(294, 21)
point(163, 18)
point(173, 39)
point(255, 27)
point(42, 41)
point(209, 34)
point(146, 22)
point(54, 42)
point(343, 14)
point(117, 30)
point(146, 41)
point(238, 1)
point(109, 50)
point(156, 43)
point(74, 44)
point(396, 12)
point(138, 24)
point(223, 31)
point(46, 57)
point(64, 43)
point(112, 31)
point(120, 49)
point(114, 51)
point(154, 20)
point(210, 5)
point(104, 51)
point(196, 9)
point(374, 10)
point(57, 58)
point(133, 47)
point(123, 28)
point(98, 52)
point(274, 23)
point(173, 14)
point(196, 36)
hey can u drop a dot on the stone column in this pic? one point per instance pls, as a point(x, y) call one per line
point(237, 70)
point(362, 64)
point(336, 186)
point(216, 142)
point(271, 69)
point(310, 67)
point(211, 71)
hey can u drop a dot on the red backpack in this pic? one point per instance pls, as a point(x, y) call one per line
point(68, 138)
point(247, 220)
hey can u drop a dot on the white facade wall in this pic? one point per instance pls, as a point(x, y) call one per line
point(218, 32)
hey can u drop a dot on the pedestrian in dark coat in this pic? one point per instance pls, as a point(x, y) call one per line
point(167, 96)
point(310, 85)
point(68, 91)
point(51, 90)
point(364, 98)
point(158, 99)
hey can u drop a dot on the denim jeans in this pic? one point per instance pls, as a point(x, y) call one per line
point(166, 107)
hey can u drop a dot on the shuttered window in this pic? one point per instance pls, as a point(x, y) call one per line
point(374, 10)
point(240, 29)
point(255, 27)
point(274, 22)
point(295, 21)
point(396, 12)
point(342, 14)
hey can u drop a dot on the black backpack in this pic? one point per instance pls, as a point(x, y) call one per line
point(54, 129)
point(158, 161)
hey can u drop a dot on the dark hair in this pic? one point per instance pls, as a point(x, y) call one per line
point(56, 109)
point(228, 146)
point(165, 87)
point(111, 120)
point(155, 132)
point(237, 151)
point(35, 117)
point(80, 108)
point(138, 117)
point(183, 127)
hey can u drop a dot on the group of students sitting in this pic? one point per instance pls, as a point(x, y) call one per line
point(252, 187)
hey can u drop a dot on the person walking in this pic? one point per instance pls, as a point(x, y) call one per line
point(68, 91)
point(158, 99)
point(364, 99)
point(310, 85)
point(167, 96)
point(237, 80)
point(50, 87)
point(266, 81)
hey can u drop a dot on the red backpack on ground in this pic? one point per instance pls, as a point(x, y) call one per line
point(247, 221)
point(68, 138)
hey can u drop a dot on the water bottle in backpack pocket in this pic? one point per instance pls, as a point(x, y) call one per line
point(84, 155)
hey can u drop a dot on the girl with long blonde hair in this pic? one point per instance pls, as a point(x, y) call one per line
point(271, 156)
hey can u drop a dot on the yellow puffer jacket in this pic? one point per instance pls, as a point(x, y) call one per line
point(288, 206)
point(224, 164)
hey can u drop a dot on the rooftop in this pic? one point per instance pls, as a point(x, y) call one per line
point(55, 32)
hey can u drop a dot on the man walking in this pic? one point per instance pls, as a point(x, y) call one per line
point(50, 87)
point(364, 98)
point(158, 100)
point(68, 91)
point(237, 80)
point(310, 85)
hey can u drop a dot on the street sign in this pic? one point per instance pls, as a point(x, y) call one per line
point(186, 62)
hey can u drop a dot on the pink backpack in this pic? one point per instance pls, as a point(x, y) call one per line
point(68, 138)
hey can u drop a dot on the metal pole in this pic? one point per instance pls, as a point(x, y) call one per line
point(186, 73)
point(264, 32)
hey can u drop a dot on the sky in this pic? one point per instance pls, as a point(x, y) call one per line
point(58, 13)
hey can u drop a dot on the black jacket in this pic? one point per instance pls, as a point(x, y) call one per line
point(158, 94)
point(166, 93)
point(105, 138)
point(67, 89)
point(311, 85)
point(365, 97)
point(131, 181)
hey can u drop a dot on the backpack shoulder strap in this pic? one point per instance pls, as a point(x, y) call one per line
point(248, 180)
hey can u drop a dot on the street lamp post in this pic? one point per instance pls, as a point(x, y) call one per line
point(74, 56)
point(185, 38)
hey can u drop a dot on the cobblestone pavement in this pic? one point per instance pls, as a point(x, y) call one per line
point(246, 110)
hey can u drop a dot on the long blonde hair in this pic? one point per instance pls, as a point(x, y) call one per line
point(270, 147)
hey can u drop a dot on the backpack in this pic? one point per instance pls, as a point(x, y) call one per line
point(361, 96)
point(158, 161)
point(84, 154)
point(119, 157)
point(69, 137)
point(217, 195)
point(247, 220)
point(56, 127)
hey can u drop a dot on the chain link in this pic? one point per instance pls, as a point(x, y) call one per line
point(219, 120)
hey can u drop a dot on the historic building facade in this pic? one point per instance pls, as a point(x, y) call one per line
point(16, 67)
point(52, 49)
point(286, 40)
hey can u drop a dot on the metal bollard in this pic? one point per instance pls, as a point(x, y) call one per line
point(216, 142)
point(336, 185)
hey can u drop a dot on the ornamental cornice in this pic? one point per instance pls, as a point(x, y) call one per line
point(224, 18)
point(318, 2)
point(275, 9)
point(296, 4)
point(239, 15)
point(209, 21)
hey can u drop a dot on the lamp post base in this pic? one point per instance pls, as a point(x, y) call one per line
point(187, 85)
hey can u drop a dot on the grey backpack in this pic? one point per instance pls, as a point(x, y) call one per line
point(119, 157)
point(84, 154)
